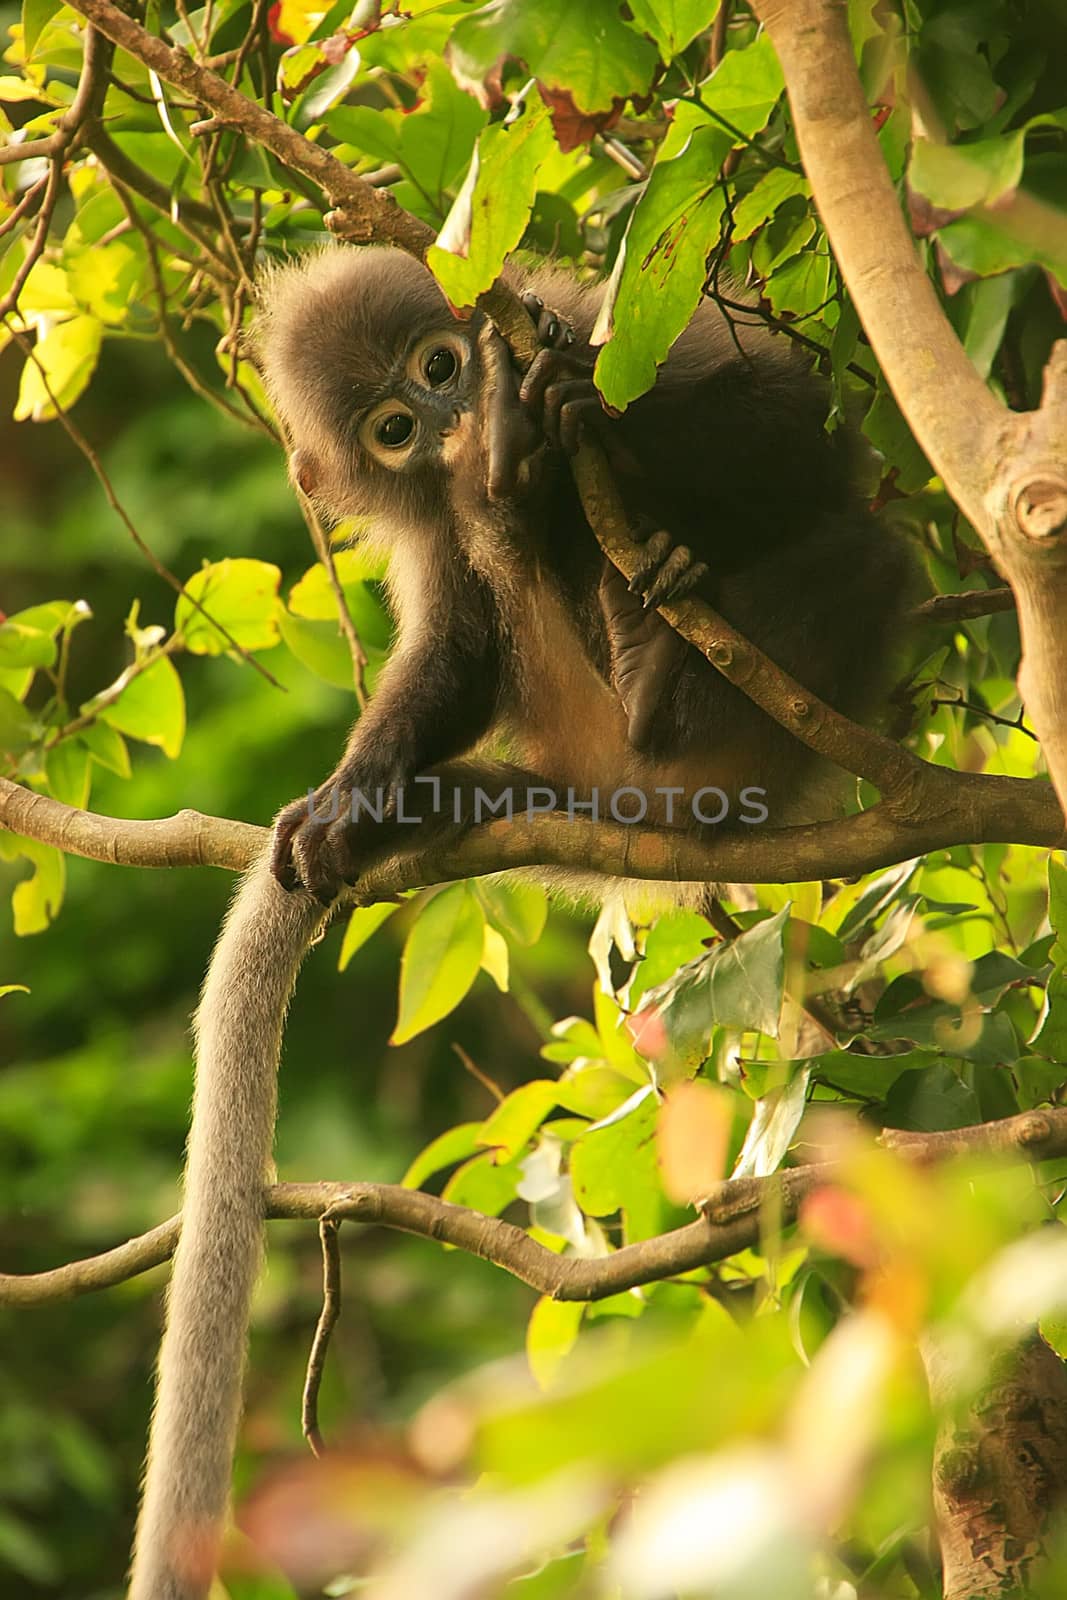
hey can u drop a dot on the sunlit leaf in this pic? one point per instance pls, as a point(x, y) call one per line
point(238, 593)
point(441, 960)
point(550, 1335)
point(151, 708)
point(59, 369)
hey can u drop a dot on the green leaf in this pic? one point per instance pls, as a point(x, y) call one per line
point(591, 1090)
point(932, 1101)
point(151, 708)
point(484, 1185)
point(492, 208)
point(763, 200)
point(673, 23)
point(1050, 1036)
point(329, 88)
point(363, 924)
point(551, 1334)
point(1057, 904)
point(670, 944)
point(959, 176)
point(375, 133)
point(510, 1127)
point(444, 1151)
point(616, 1158)
point(887, 429)
point(35, 902)
point(660, 272)
point(21, 646)
point(106, 279)
point(240, 594)
point(35, 13)
point(586, 50)
point(320, 647)
point(107, 748)
point(67, 769)
point(441, 960)
point(1027, 229)
point(661, 267)
point(66, 357)
point(774, 1121)
point(437, 140)
point(739, 984)
point(518, 909)
point(17, 727)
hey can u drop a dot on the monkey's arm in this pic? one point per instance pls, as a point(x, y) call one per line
point(435, 699)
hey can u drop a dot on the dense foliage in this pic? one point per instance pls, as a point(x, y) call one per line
point(769, 1408)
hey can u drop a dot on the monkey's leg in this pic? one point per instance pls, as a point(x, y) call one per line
point(646, 655)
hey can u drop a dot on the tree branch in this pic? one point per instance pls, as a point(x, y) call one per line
point(966, 808)
point(950, 410)
point(361, 212)
point(1007, 471)
point(730, 1221)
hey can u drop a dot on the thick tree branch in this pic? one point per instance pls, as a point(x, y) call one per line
point(1008, 472)
point(966, 808)
point(950, 410)
point(730, 1221)
point(1000, 1471)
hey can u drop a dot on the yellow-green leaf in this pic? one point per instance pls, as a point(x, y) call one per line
point(362, 925)
point(550, 1335)
point(152, 708)
point(441, 960)
point(241, 595)
point(66, 357)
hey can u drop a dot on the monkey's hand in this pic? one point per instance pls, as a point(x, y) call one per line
point(558, 389)
point(325, 839)
point(666, 570)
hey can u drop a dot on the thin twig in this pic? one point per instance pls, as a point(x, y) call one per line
point(329, 1228)
point(962, 607)
point(324, 551)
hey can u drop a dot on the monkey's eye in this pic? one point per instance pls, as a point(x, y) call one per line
point(394, 430)
point(440, 366)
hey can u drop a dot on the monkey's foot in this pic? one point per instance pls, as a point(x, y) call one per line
point(666, 570)
point(326, 839)
point(558, 388)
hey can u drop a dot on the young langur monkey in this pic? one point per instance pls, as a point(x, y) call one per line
point(511, 626)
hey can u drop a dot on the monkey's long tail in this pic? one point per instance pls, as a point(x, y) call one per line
point(201, 1366)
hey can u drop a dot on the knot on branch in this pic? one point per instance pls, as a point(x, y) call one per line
point(1033, 1128)
point(959, 1471)
point(721, 654)
point(1039, 506)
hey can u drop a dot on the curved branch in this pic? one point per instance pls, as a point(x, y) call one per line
point(730, 1221)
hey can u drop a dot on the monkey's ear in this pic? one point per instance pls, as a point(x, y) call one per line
point(304, 471)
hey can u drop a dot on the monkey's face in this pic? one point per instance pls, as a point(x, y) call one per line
point(395, 409)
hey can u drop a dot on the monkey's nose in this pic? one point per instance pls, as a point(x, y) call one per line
point(452, 424)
